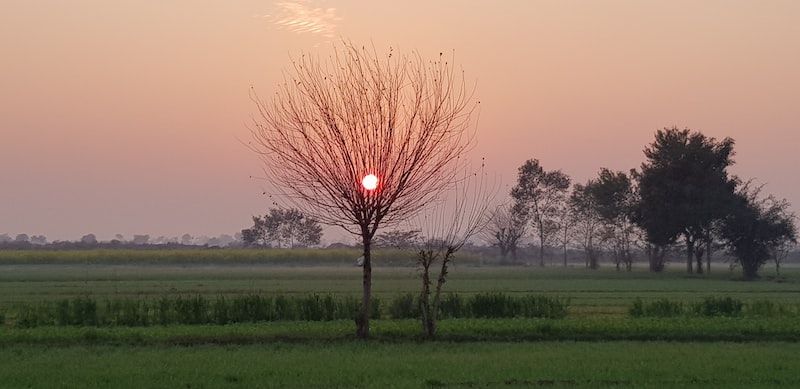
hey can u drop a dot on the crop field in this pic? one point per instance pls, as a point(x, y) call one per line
point(619, 329)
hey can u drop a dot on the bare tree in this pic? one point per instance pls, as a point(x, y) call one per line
point(780, 251)
point(397, 239)
point(449, 224)
point(506, 226)
point(332, 122)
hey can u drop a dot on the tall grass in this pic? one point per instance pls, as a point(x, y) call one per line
point(85, 311)
point(711, 307)
point(188, 310)
point(484, 305)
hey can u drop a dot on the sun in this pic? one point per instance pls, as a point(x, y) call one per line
point(370, 182)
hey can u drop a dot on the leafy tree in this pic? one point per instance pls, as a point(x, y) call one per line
point(684, 188)
point(89, 239)
point(399, 239)
point(141, 239)
point(398, 117)
point(40, 240)
point(506, 226)
point(542, 194)
point(756, 227)
point(614, 197)
point(186, 239)
point(584, 209)
point(255, 235)
point(283, 228)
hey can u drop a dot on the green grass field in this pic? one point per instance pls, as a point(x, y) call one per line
point(402, 365)
point(597, 345)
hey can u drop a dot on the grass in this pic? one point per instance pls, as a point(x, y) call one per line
point(407, 365)
point(591, 293)
point(598, 344)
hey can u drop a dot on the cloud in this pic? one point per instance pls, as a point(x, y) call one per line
point(304, 16)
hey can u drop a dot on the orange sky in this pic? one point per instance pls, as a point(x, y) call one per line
point(128, 117)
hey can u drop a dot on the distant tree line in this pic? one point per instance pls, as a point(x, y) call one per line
point(681, 196)
point(24, 241)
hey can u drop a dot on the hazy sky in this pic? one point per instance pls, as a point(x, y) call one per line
point(129, 116)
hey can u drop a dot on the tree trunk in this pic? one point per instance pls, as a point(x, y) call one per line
point(656, 255)
point(424, 298)
point(541, 251)
point(437, 298)
point(503, 252)
point(708, 256)
point(698, 254)
point(689, 255)
point(362, 321)
point(540, 225)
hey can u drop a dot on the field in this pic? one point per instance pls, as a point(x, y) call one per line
point(598, 343)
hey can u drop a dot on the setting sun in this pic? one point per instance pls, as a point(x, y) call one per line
point(370, 182)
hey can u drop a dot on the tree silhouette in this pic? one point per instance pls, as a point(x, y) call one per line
point(684, 189)
point(756, 226)
point(614, 197)
point(584, 208)
point(542, 194)
point(447, 226)
point(506, 226)
point(332, 122)
point(283, 228)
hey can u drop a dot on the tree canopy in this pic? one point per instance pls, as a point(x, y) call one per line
point(401, 118)
point(283, 228)
point(684, 187)
point(542, 194)
point(755, 226)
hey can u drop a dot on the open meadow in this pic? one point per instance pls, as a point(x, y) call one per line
point(169, 319)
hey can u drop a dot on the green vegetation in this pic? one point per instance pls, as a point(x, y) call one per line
point(113, 321)
point(357, 364)
point(86, 311)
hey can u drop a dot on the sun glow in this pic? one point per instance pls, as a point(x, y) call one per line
point(370, 182)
